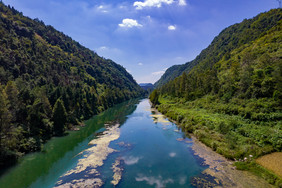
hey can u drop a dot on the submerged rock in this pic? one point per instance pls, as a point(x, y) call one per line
point(117, 169)
point(159, 118)
point(93, 157)
point(83, 183)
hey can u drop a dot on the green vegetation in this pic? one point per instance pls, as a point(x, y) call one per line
point(231, 98)
point(148, 87)
point(173, 72)
point(154, 97)
point(48, 83)
point(59, 117)
point(260, 171)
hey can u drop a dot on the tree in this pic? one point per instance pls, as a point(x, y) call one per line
point(39, 115)
point(5, 115)
point(154, 97)
point(5, 126)
point(59, 117)
point(12, 94)
point(183, 84)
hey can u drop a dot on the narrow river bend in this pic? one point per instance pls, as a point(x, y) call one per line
point(129, 145)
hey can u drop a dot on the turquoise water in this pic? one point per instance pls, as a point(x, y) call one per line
point(152, 153)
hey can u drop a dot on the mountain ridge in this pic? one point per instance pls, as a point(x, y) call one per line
point(224, 42)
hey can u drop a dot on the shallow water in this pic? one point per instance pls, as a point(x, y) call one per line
point(130, 142)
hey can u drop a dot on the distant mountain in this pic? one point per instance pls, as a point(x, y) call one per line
point(231, 38)
point(49, 80)
point(147, 86)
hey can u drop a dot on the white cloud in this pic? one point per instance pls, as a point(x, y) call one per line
point(129, 23)
point(102, 8)
point(171, 27)
point(151, 77)
point(182, 2)
point(103, 48)
point(172, 154)
point(131, 160)
point(159, 181)
point(151, 3)
point(158, 73)
point(129, 71)
point(140, 64)
point(182, 180)
point(149, 18)
point(106, 51)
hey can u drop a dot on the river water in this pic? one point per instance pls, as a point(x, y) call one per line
point(129, 145)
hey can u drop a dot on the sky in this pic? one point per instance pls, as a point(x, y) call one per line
point(144, 36)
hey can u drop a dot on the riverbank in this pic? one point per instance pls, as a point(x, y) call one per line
point(236, 138)
point(223, 171)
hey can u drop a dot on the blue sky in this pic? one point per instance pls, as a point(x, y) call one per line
point(144, 36)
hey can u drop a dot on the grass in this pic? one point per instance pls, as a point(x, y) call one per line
point(232, 129)
point(272, 162)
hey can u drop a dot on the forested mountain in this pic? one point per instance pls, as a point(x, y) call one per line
point(173, 72)
point(231, 99)
point(49, 82)
point(244, 61)
point(231, 38)
point(147, 86)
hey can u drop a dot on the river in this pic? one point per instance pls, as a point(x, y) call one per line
point(129, 145)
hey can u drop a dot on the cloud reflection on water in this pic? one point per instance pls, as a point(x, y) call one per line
point(159, 181)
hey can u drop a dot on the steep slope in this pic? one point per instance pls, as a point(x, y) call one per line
point(40, 69)
point(231, 100)
point(247, 70)
point(229, 39)
point(171, 73)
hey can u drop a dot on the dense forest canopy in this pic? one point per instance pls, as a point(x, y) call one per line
point(49, 82)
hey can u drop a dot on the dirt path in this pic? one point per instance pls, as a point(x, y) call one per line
point(221, 172)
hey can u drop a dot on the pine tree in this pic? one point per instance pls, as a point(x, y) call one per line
point(12, 94)
point(59, 117)
point(5, 120)
point(154, 97)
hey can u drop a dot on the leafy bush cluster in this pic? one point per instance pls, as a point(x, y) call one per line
point(48, 82)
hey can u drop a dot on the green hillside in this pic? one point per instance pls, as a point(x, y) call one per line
point(227, 41)
point(171, 73)
point(49, 82)
point(231, 99)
